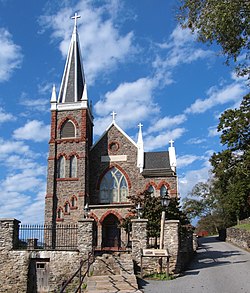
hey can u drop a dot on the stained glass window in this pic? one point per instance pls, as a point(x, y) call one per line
point(114, 187)
point(73, 167)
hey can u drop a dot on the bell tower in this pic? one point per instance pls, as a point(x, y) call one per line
point(70, 140)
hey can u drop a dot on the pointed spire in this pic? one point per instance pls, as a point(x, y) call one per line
point(140, 153)
point(172, 156)
point(53, 98)
point(73, 86)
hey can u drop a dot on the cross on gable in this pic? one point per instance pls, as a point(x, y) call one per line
point(171, 143)
point(113, 114)
point(75, 17)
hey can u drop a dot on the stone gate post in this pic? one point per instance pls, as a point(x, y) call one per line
point(172, 243)
point(9, 231)
point(85, 235)
point(139, 237)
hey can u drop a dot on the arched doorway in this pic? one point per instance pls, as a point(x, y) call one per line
point(111, 232)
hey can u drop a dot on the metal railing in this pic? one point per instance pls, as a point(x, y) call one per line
point(89, 261)
point(48, 237)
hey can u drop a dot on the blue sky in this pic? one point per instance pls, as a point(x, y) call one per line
point(137, 61)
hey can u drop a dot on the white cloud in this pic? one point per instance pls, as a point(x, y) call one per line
point(103, 47)
point(33, 130)
point(192, 177)
point(186, 160)
point(40, 105)
point(180, 49)
point(133, 102)
point(5, 117)
point(229, 93)
point(161, 140)
point(10, 55)
point(212, 131)
point(10, 147)
point(167, 122)
point(196, 140)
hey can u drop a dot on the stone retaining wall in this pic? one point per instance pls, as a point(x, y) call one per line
point(239, 237)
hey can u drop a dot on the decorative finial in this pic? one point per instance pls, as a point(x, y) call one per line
point(171, 143)
point(113, 114)
point(75, 17)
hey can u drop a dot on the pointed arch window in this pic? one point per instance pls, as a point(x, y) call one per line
point(113, 187)
point(68, 129)
point(151, 189)
point(73, 167)
point(61, 167)
point(59, 213)
point(163, 190)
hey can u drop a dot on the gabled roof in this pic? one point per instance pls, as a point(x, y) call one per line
point(117, 127)
point(156, 164)
point(73, 87)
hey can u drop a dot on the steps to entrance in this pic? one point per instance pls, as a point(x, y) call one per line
point(112, 272)
point(112, 284)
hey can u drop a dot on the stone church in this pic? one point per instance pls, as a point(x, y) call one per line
point(100, 174)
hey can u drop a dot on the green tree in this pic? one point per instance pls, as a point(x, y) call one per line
point(201, 201)
point(231, 167)
point(225, 22)
point(152, 210)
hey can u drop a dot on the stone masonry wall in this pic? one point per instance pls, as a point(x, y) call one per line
point(18, 267)
point(239, 237)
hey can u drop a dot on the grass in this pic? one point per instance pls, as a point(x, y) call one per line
point(159, 276)
point(243, 226)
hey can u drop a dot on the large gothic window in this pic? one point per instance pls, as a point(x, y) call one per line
point(114, 187)
point(73, 167)
point(61, 167)
point(68, 129)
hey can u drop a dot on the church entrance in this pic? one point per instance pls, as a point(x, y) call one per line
point(111, 232)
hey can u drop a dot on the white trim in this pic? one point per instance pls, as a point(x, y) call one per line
point(122, 132)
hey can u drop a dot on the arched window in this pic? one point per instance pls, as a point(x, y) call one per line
point(59, 213)
point(163, 190)
point(151, 189)
point(61, 167)
point(73, 167)
point(68, 129)
point(73, 201)
point(113, 187)
point(66, 207)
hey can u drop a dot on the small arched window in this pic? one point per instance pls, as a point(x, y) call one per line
point(68, 129)
point(151, 189)
point(73, 201)
point(59, 213)
point(73, 167)
point(61, 167)
point(163, 190)
point(66, 207)
point(113, 187)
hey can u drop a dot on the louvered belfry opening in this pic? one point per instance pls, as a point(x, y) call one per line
point(68, 129)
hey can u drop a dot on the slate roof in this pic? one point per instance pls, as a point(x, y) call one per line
point(73, 80)
point(157, 164)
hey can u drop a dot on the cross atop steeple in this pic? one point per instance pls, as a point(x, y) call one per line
point(75, 17)
point(113, 114)
point(140, 126)
point(171, 143)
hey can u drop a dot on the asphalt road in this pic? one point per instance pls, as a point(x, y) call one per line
point(217, 267)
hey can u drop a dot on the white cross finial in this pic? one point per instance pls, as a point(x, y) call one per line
point(75, 17)
point(113, 114)
point(171, 143)
point(140, 125)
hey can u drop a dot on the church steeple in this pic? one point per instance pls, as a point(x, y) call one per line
point(73, 87)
